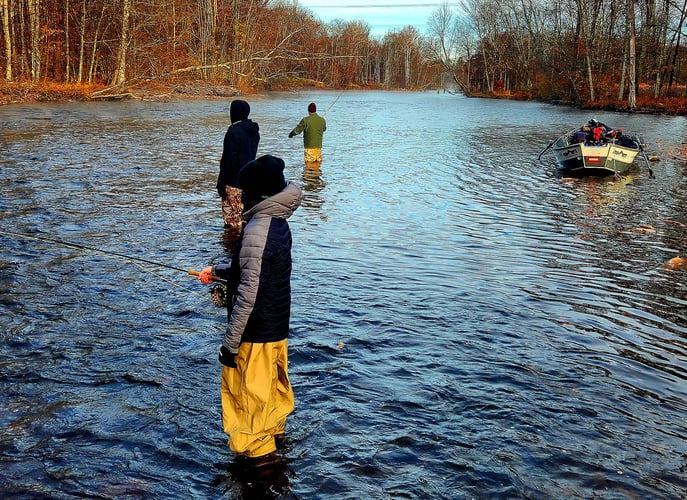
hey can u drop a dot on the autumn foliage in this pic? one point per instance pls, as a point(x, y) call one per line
point(123, 45)
point(596, 54)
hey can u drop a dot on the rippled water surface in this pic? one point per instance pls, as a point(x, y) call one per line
point(465, 322)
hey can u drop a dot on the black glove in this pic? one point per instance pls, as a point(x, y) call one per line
point(227, 358)
point(291, 134)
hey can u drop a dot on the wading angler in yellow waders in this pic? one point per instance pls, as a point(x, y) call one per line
point(255, 389)
point(313, 127)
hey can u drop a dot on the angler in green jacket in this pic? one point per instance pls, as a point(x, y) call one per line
point(313, 127)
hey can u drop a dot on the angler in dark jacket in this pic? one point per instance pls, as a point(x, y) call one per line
point(240, 146)
point(256, 392)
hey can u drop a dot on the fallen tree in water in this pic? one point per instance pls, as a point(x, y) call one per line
point(21, 92)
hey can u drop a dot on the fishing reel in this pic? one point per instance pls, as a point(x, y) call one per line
point(218, 294)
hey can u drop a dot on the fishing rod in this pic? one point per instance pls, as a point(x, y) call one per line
point(78, 246)
point(332, 104)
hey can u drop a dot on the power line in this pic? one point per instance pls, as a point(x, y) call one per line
point(376, 6)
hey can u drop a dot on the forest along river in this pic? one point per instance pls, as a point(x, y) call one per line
point(465, 322)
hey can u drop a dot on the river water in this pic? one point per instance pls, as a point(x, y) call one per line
point(465, 322)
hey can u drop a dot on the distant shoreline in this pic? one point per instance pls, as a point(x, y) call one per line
point(153, 91)
point(25, 93)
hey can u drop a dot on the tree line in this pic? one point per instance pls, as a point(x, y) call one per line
point(589, 52)
point(247, 44)
point(586, 52)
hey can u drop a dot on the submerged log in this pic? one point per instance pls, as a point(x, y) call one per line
point(112, 97)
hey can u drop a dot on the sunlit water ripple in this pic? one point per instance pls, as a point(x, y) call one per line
point(465, 322)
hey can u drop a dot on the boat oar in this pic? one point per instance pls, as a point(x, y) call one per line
point(547, 148)
point(641, 148)
point(554, 142)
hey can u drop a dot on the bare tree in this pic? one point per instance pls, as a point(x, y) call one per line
point(82, 42)
point(631, 69)
point(585, 41)
point(4, 7)
point(120, 75)
point(35, 37)
point(96, 42)
point(67, 55)
point(675, 40)
point(662, 47)
point(450, 39)
point(207, 26)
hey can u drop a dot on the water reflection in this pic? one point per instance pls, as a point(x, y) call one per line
point(312, 179)
point(602, 197)
point(313, 185)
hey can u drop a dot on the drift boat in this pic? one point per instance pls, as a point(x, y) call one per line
point(595, 150)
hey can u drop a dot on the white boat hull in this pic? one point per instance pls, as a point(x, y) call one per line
point(600, 160)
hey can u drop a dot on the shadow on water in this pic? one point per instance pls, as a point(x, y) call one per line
point(243, 480)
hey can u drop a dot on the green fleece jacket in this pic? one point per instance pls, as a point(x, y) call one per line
point(313, 127)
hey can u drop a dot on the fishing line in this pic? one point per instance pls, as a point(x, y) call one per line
point(165, 279)
point(78, 246)
point(332, 104)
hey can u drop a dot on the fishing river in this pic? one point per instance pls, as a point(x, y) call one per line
point(466, 323)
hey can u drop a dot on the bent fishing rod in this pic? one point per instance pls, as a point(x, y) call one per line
point(78, 246)
point(332, 104)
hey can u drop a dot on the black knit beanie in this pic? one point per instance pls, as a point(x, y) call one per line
point(262, 177)
point(238, 110)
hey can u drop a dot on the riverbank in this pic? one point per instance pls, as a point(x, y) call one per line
point(146, 90)
point(17, 93)
point(646, 103)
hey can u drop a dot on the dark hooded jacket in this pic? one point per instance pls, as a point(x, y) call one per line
point(240, 145)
